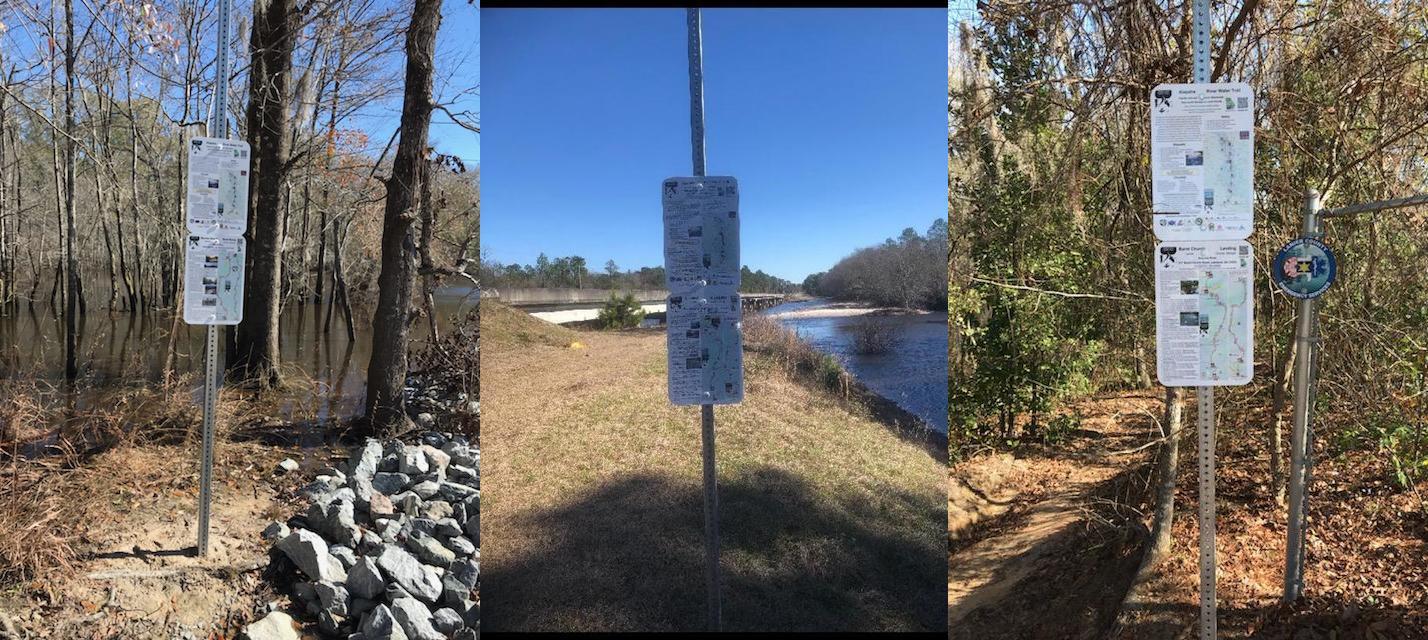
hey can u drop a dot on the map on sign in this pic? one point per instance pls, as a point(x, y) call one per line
point(706, 353)
point(1204, 307)
point(213, 281)
point(218, 187)
point(1202, 161)
point(701, 232)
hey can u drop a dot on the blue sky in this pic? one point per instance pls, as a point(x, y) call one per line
point(833, 121)
point(458, 69)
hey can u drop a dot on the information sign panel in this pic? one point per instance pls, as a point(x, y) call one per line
point(217, 187)
point(1202, 161)
point(213, 281)
point(1204, 307)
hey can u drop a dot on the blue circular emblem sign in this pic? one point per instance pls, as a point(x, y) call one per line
point(1305, 268)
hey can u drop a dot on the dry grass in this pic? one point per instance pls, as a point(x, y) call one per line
point(830, 520)
point(501, 323)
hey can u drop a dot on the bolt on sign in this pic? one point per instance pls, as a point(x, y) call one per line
point(701, 262)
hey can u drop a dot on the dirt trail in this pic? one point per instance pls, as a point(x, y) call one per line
point(136, 575)
point(1025, 530)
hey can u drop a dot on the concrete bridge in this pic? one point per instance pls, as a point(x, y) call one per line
point(566, 305)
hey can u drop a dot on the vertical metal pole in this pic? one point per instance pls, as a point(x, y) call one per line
point(1306, 344)
point(706, 412)
point(1205, 396)
point(210, 369)
point(1205, 417)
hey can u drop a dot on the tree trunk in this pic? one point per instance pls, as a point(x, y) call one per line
point(386, 374)
point(255, 357)
point(71, 367)
point(1166, 462)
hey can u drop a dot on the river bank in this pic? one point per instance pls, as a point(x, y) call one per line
point(909, 368)
point(830, 520)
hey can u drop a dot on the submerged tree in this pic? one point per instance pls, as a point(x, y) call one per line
point(391, 324)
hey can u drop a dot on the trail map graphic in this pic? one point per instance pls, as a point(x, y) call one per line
point(1202, 161)
point(213, 281)
point(1204, 308)
point(701, 262)
point(706, 354)
point(217, 187)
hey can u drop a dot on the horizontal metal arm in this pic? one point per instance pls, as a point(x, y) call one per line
point(1370, 207)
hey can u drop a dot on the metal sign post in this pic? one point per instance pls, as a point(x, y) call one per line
point(706, 411)
point(210, 358)
point(1205, 396)
point(1306, 383)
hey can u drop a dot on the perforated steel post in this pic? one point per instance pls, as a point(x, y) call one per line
point(706, 411)
point(1205, 396)
point(210, 357)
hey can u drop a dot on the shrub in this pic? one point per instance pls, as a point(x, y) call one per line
point(621, 312)
point(873, 337)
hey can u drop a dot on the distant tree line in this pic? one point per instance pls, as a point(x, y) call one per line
point(909, 271)
point(573, 272)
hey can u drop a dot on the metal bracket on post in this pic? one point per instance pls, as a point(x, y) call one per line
point(706, 412)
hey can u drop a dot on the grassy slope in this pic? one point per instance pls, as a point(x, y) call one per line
point(594, 518)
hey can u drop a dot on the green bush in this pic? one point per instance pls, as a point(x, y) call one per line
point(621, 312)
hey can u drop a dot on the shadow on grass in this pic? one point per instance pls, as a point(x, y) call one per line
point(629, 556)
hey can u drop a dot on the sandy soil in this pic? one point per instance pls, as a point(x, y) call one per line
point(137, 575)
point(1018, 526)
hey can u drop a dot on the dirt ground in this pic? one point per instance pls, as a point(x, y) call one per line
point(1044, 543)
point(136, 575)
point(1041, 542)
point(594, 522)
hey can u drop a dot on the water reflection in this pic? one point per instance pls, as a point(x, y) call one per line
point(121, 350)
point(913, 373)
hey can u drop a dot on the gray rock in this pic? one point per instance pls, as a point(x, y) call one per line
point(460, 546)
point(340, 522)
point(406, 572)
point(473, 615)
point(380, 624)
point(425, 420)
point(437, 509)
point(333, 597)
point(415, 619)
point(426, 490)
point(360, 606)
point(309, 552)
point(462, 474)
point(430, 551)
point(420, 525)
point(389, 530)
point(274, 626)
point(390, 462)
point(334, 473)
point(330, 622)
point(288, 465)
point(473, 528)
point(304, 591)
point(448, 527)
point(364, 460)
point(361, 488)
point(436, 458)
point(457, 491)
point(467, 571)
point(345, 555)
point(408, 502)
point(390, 483)
point(365, 579)
point(453, 592)
point(412, 462)
point(319, 490)
point(446, 621)
point(276, 531)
